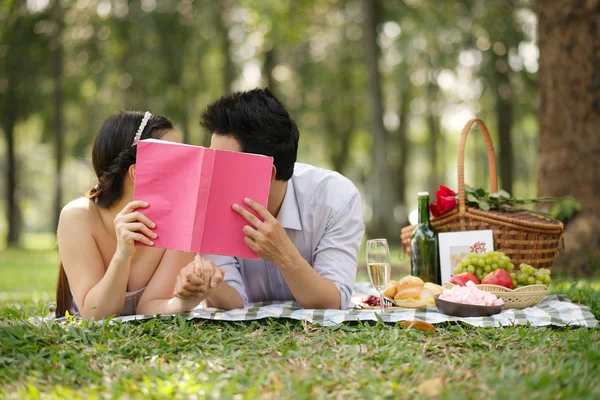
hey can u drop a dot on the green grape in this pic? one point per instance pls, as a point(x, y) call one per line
point(522, 278)
point(547, 279)
point(531, 280)
point(538, 282)
point(515, 283)
point(513, 275)
point(506, 259)
point(487, 268)
point(500, 254)
point(501, 264)
point(471, 269)
point(488, 261)
point(494, 267)
point(479, 272)
point(458, 270)
point(495, 259)
point(473, 257)
point(481, 262)
point(464, 263)
point(510, 267)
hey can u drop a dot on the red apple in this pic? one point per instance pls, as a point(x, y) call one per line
point(462, 279)
point(499, 277)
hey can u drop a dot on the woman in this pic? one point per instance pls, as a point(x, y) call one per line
point(102, 270)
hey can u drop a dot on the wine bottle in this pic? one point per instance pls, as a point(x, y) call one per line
point(424, 246)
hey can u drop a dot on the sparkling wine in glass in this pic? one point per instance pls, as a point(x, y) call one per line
point(379, 265)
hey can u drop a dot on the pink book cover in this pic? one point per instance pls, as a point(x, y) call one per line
point(190, 191)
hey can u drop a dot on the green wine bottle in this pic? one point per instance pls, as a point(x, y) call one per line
point(424, 249)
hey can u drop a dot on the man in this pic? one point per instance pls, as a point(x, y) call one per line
point(309, 240)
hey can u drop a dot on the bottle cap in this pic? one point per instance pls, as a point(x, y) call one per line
point(423, 194)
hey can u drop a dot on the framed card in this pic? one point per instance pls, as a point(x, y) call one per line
point(455, 246)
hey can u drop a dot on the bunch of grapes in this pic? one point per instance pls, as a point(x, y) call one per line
point(481, 264)
point(527, 275)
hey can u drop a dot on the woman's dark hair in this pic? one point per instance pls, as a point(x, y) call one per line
point(112, 155)
point(261, 125)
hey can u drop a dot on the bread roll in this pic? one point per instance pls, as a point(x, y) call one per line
point(436, 289)
point(391, 290)
point(410, 281)
point(409, 293)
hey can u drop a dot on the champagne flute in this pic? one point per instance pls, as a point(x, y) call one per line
point(379, 265)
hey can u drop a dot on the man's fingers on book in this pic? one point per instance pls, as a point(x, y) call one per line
point(248, 216)
point(250, 232)
point(250, 243)
point(259, 208)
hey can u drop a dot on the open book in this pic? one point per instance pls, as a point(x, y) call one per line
point(190, 191)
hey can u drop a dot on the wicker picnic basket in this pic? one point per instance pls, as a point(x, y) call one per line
point(523, 236)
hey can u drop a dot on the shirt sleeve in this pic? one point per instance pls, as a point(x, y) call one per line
point(336, 256)
point(233, 276)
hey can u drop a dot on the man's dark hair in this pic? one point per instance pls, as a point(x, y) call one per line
point(260, 123)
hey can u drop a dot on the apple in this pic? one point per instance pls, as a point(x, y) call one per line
point(462, 279)
point(499, 277)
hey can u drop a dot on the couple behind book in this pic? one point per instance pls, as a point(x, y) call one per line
point(191, 190)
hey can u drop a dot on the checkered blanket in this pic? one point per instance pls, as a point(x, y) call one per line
point(554, 310)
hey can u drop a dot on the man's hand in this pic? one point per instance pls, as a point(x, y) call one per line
point(198, 279)
point(268, 239)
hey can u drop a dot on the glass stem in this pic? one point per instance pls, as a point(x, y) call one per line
point(381, 300)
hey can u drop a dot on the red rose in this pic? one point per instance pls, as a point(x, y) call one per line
point(446, 201)
point(444, 191)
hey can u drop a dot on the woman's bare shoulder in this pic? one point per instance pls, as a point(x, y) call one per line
point(79, 211)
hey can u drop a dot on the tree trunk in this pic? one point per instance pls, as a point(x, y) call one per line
point(570, 119)
point(504, 117)
point(382, 195)
point(57, 75)
point(223, 31)
point(402, 144)
point(8, 126)
point(267, 72)
point(432, 148)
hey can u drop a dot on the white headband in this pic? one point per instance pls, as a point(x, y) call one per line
point(138, 134)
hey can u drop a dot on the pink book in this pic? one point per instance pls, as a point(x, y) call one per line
point(190, 191)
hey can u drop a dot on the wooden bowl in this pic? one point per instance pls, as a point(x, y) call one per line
point(465, 310)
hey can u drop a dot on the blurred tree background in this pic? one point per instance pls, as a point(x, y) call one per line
point(380, 90)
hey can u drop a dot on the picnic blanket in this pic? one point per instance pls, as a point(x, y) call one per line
point(554, 310)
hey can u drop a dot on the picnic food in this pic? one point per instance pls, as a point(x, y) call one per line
point(499, 277)
point(391, 290)
point(527, 275)
point(462, 279)
point(469, 294)
point(436, 289)
point(412, 292)
point(409, 281)
point(482, 264)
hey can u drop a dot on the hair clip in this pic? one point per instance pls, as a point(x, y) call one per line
point(138, 134)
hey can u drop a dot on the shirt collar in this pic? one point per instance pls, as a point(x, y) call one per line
point(289, 213)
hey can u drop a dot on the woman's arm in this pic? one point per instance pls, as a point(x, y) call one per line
point(158, 298)
point(99, 293)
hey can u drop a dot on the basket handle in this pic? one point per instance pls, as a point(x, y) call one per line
point(461, 161)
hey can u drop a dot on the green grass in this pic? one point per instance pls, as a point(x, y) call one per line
point(175, 358)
